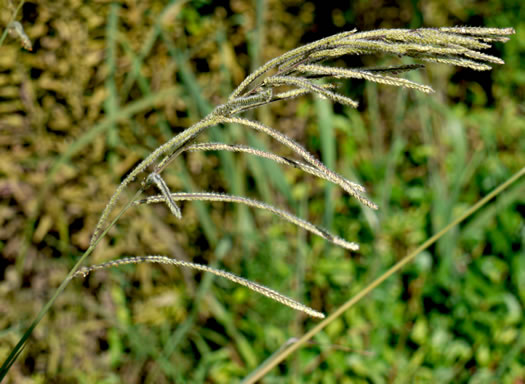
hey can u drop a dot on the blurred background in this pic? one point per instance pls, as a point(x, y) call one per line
point(108, 82)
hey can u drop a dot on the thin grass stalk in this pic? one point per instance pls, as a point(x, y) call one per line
point(21, 343)
point(258, 373)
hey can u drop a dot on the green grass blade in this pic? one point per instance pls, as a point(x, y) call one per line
point(111, 103)
point(324, 112)
point(144, 84)
point(210, 231)
point(151, 37)
point(273, 172)
point(397, 147)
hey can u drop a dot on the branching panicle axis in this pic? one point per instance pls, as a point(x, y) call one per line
point(300, 72)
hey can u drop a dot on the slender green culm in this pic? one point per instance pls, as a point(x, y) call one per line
point(260, 371)
point(265, 291)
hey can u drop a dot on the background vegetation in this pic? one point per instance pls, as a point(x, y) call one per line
point(108, 82)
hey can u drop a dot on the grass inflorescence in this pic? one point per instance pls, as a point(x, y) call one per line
point(302, 71)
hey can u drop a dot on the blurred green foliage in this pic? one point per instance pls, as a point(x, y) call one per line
point(114, 80)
